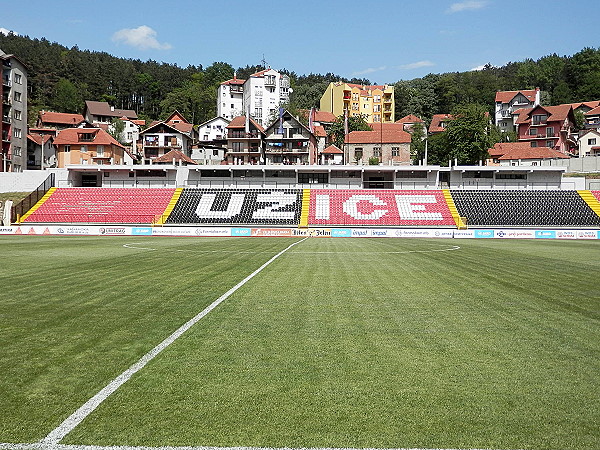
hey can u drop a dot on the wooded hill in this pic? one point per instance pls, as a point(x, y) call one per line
point(61, 78)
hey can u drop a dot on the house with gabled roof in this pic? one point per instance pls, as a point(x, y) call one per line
point(99, 113)
point(174, 133)
point(59, 121)
point(439, 122)
point(230, 98)
point(547, 126)
point(388, 142)
point(409, 121)
point(588, 142)
point(87, 146)
point(245, 141)
point(507, 102)
point(41, 152)
point(288, 141)
point(331, 155)
point(592, 118)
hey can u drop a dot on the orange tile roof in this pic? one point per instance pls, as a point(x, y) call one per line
point(319, 131)
point(593, 112)
point(240, 122)
point(70, 136)
point(410, 119)
point(386, 136)
point(533, 153)
point(324, 116)
point(39, 139)
point(172, 156)
point(502, 148)
point(234, 81)
point(333, 150)
point(61, 118)
point(436, 120)
point(555, 113)
point(507, 96)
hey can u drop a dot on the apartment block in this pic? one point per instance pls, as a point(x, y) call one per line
point(13, 111)
point(375, 102)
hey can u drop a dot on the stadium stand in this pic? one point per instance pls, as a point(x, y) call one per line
point(238, 206)
point(100, 205)
point(524, 208)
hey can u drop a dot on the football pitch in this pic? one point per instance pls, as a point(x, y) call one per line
point(299, 343)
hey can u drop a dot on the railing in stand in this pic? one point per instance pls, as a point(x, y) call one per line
point(27, 203)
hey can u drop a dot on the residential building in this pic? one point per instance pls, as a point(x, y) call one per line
point(588, 143)
point(389, 143)
point(102, 114)
point(245, 141)
point(175, 157)
point(131, 132)
point(58, 121)
point(230, 98)
point(41, 152)
point(547, 126)
point(439, 122)
point(508, 102)
point(376, 103)
point(529, 156)
point(331, 155)
point(408, 122)
point(13, 111)
point(592, 118)
point(175, 133)
point(213, 130)
point(288, 141)
point(263, 93)
point(87, 146)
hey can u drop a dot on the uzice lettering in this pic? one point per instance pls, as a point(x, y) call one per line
point(275, 201)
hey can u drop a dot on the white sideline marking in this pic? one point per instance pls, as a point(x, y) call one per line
point(42, 446)
point(56, 435)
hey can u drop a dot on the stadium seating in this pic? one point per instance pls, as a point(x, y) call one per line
point(238, 206)
point(102, 205)
point(596, 194)
point(524, 208)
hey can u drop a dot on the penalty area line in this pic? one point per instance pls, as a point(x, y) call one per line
point(56, 435)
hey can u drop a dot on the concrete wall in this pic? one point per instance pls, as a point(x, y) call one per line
point(26, 181)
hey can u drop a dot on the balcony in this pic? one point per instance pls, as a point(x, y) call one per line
point(270, 80)
point(6, 119)
point(387, 99)
point(6, 82)
point(5, 137)
point(6, 100)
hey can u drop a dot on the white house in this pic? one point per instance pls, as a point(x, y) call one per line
point(213, 130)
point(589, 142)
point(230, 98)
point(507, 102)
point(263, 92)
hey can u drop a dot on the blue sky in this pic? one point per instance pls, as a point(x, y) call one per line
point(384, 41)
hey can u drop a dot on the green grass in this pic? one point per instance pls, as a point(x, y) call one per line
point(16, 197)
point(338, 343)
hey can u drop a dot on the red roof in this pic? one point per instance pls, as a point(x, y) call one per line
point(323, 116)
point(319, 131)
point(104, 109)
point(39, 139)
point(436, 122)
point(555, 113)
point(172, 156)
point(60, 118)
point(234, 81)
point(410, 119)
point(502, 148)
point(507, 96)
point(593, 112)
point(71, 136)
point(240, 122)
point(333, 150)
point(385, 135)
point(533, 153)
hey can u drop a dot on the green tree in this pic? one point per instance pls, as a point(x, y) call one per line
point(469, 134)
point(66, 97)
point(355, 123)
point(417, 142)
point(116, 129)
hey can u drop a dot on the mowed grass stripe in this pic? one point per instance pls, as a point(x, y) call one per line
point(76, 312)
point(495, 346)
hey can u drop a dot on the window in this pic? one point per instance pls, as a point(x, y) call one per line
point(17, 96)
point(411, 174)
point(511, 176)
point(83, 149)
point(100, 151)
point(539, 118)
point(232, 106)
point(17, 114)
point(377, 151)
point(376, 108)
point(18, 78)
point(258, 112)
point(377, 118)
point(477, 174)
point(592, 141)
point(549, 131)
point(313, 178)
point(106, 174)
point(550, 144)
point(358, 153)
point(206, 137)
point(17, 151)
point(534, 144)
point(17, 133)
point(533, 132)
point(395, 151)
point(237, 146)
point(215, 152)
point(67, 149)
point(129, 135)
point(377, 98)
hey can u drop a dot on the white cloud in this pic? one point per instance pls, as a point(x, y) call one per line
point(467, 5)
point(142, 37)
point(477, 68)
point(416, 65)
point(369, 70)
point(7, 32)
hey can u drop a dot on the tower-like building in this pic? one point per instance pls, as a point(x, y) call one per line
point(374, 102)
point(13, 111)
